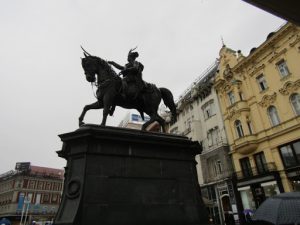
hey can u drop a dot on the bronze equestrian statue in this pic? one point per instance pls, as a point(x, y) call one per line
point(131, 92)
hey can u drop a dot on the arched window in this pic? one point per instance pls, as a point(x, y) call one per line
point(295, 100)
point(272, 111)
point(239, 128)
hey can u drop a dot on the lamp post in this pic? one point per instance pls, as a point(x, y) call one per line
point(25, 204)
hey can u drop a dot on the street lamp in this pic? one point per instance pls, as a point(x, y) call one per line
point(25, 205)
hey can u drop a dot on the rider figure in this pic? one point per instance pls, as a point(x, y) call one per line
point(132, 73)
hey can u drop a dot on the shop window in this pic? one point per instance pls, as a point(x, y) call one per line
point(283, 68)
point(273, 115)
point(295, 101)
point(231, 97)
point(246, 167)
point(270, 189)
point(247, 198)
point(262, 83)
point(239, 128)
point(261, 164)
point(290, 154)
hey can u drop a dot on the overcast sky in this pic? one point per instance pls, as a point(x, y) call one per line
point(43, 88)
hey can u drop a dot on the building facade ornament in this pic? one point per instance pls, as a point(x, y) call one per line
point(297, 39)
point(267, 100)
point(228, 74)
point(289, 87)
point(277, 54)
point(257, 69)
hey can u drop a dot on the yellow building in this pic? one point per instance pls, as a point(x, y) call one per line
point(260, 102)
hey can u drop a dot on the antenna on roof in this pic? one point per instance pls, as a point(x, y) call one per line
point(223, 44)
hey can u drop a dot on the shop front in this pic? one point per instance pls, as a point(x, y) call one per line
point(254, 192)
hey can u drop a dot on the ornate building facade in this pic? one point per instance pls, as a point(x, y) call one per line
point(30, 193)
point(199, 118)
point(260, 102)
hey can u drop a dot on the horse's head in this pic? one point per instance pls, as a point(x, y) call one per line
point(89, 65)
point(93, 65)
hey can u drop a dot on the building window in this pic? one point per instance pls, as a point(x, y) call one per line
point(31, 184)
point(262, 83)
point(249, 124)
point(25, 183)
point(218, 167)
point(209, 110)
point(290, 154)
point(45, 197)
point(54, 198)
point(241, 96)
point(40, 185)
point(246, 167)
point(189, 124)
point(48, 186)
point(273, 115)
point(283, 68)
point(239, 128)
point(212, 136)
point(261, 164)
point(295, 101)
point(231, 97)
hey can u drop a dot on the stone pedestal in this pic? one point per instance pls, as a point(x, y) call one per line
point(117, 176)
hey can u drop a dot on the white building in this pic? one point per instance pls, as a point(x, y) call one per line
point(200, 119)
point(133, 121)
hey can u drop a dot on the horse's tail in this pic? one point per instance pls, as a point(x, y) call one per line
point(169, 102)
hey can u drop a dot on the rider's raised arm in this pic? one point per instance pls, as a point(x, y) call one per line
point(116, 65)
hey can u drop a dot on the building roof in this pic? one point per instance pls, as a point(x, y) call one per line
point(38, 170)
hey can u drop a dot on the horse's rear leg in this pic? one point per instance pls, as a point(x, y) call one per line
point(108, 107)
point(95, 105)
point(154, 118)
point(162, 123)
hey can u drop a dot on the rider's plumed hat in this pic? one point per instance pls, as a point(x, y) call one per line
point(132, 53)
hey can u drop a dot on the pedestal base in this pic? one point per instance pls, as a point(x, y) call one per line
point(117, 176)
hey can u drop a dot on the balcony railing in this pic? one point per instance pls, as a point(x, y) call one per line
point(265, 169)
point(217, 177)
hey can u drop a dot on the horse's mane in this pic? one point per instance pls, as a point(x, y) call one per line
point(107, 67)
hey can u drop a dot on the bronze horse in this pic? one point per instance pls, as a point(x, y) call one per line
point(109, 94)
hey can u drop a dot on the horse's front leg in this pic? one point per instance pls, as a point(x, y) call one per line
point(95, 105)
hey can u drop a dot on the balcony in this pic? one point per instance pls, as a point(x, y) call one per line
point(266, 169)
point(239, 105)
point(246, 144)
point(217, 177)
